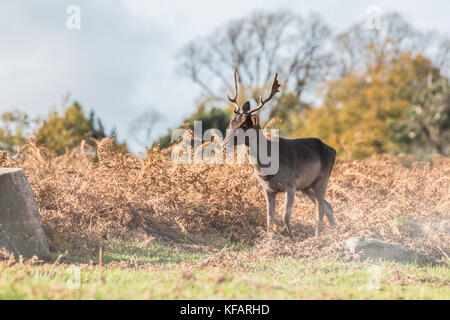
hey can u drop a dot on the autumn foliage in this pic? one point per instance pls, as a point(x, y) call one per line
point(360, 111)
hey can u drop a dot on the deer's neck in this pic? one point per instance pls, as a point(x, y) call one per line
point(253, 149)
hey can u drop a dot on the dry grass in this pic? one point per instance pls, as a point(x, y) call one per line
point(82, 201)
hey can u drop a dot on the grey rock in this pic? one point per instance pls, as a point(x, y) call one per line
point(378, 249)
point(20, 223)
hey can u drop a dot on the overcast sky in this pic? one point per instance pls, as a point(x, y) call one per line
point(122, 60)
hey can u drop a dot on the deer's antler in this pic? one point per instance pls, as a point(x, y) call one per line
point(275, 86)
point(233, 100)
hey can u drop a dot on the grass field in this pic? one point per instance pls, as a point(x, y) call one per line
point(154, 270)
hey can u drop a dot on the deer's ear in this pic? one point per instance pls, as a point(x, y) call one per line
point(246, 106)
point(255, 119)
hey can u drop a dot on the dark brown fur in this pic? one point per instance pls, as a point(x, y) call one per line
point(304, 164)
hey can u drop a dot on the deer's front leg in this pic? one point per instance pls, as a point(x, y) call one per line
point(270, 201)
point(290, 196)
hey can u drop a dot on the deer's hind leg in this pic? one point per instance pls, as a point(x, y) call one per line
point(329, 213)
point(310, 194)
point(320, 187)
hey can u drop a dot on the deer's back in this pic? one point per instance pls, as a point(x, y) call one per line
point(307, 160)
point(301, 162)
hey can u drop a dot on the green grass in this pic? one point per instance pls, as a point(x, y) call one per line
point(167, 278)
point(146, 252)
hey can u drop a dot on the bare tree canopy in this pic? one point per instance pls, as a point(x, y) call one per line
point(300, 50)
point(360, 46)
point(259, 46)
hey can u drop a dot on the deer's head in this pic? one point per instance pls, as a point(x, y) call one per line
point(244, 117)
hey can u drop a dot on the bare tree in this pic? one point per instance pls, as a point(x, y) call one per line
point(300, 50)
point(258, 46)
point(360, 47)
point(442, 55)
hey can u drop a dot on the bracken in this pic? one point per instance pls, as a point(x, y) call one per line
point(83, 201)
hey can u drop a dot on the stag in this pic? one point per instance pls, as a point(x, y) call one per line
point(305, 164)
